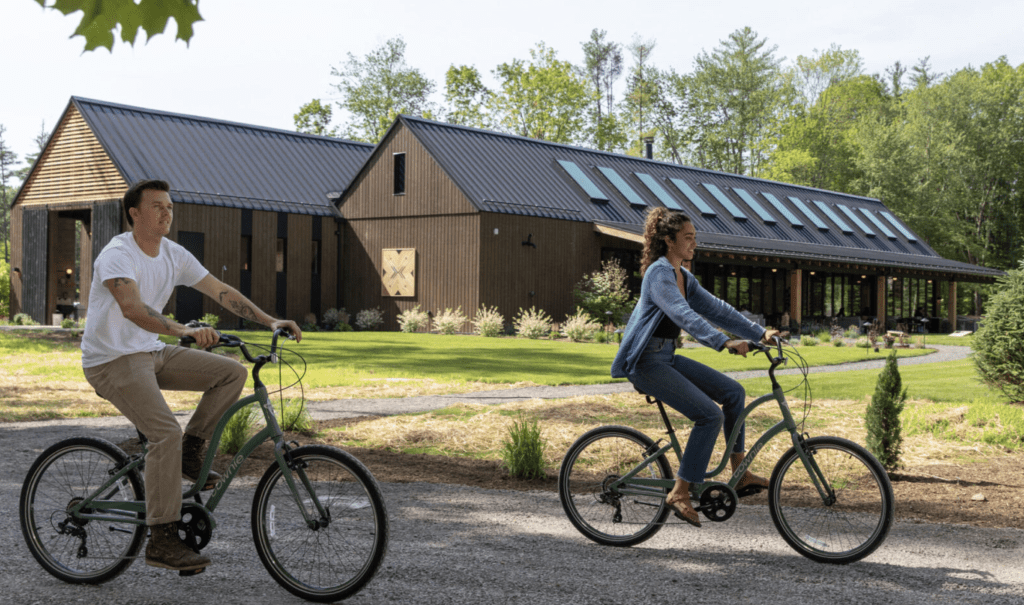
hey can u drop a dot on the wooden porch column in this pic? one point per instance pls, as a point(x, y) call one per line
point(881, 297)
point(795, 294)
point(951, 306)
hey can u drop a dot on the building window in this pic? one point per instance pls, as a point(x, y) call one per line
point(246, 253)
point(399, 165)
point(281, 252)
point(316, 257)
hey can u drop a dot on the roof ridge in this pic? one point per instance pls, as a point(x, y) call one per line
point(195, 118)
point(621, 156)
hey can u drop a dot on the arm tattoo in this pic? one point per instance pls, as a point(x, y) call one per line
point(157, 315)
point(243, 310)
point(121, 281)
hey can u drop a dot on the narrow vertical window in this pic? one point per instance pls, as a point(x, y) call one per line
point(316, 257)
point(246, 253)
point(281, 245)
point(399, 160)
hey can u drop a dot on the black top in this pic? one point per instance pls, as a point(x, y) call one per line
point(667, 328)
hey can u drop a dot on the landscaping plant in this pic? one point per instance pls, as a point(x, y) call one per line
point(580, 327)
point(449, 321)
point(522, 451)
point(605, 293)
point(488, 322)
point(370, 319)
point(238, 430)
point(532, 323)
point(411, 320)
point(997, 351)
point(882, 418)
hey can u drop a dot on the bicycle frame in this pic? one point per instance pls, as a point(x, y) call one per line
point(630, 484)
point(121, 511)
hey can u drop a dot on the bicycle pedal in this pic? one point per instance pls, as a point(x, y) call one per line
point(750, 490)
point(191, 572)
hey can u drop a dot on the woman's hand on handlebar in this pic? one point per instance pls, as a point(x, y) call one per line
point(768, 334)
point(738, 347)
point(288, 326)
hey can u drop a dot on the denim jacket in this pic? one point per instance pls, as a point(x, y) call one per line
point(660, 296)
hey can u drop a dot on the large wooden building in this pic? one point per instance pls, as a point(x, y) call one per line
point(444, 216)
point(448, 216)
point(253, 204)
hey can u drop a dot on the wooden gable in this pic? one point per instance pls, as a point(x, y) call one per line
point(73, 168)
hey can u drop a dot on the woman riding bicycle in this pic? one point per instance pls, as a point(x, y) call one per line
point(672, 300)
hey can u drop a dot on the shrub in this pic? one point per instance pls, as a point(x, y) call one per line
point(605, 291)
point(333, 319)
point(862, 343)
point(370, 319)
point(808, 341)
point(997, 351)
point(882, 418)
point(488, 322)
point(295, 417)
point(580, 327)
point(23, 319)
point(554, 334)
point(852, 333)
point(601, 336)
point(449, 321)
point(411, 320)
point(522, 451)
point(211, 319)
point(68, 322)
point(532, 323)
point(239, 429)
point(823, 337)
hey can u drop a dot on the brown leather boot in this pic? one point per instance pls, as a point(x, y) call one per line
point(165, 549)
point(749, 483)
point(192, 461)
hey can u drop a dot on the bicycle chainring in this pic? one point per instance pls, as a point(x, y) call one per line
point(718, 502)
point(195, 526)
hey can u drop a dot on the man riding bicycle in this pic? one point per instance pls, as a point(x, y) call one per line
point(127, 364)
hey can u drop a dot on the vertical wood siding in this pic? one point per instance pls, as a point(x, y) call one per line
point(264, 252)
point(17, 260)
point(35, 222)
point(73, 167)
point(299, 265)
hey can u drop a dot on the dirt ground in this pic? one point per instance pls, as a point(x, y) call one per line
point(986, 494)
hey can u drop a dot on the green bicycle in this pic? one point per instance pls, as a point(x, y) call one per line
point(829, 498)
point(318, 517)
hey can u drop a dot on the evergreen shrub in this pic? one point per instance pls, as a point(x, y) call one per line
point(882, 418)
point(998, 354)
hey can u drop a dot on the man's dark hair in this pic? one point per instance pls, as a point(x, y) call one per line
point(134, 195)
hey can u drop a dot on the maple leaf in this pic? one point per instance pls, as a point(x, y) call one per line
point(101, 17)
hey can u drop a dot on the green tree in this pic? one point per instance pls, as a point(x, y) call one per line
point(739, 99)
point(544, 98)
point(812, 75)
point(605, 294)
point(882, 418)
point(643, 94)
point(997, 351)
point(101, 18)
point(466, 97)
point(603, 65)
point(7, 160)
point(379, 87)
point(30, 159)
point(315, 118)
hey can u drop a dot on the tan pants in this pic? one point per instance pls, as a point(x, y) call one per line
point(133, 383)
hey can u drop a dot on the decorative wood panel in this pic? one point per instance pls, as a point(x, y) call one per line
point(73, 167)
point(398, 272)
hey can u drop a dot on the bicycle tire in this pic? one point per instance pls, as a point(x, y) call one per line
point(77, 551)
point(600, 515)
point(337, 558)
point(851, 528)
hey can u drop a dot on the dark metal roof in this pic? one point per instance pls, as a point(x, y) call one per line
point(218, 163)
point(516, 175)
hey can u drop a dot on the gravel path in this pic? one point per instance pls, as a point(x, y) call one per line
point(457, 544)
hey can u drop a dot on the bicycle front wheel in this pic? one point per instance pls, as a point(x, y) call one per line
point(600, 513)
point(76, 550)
point(841, 531)
point(328, 555)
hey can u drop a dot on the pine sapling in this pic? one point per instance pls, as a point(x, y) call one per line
point(885, 432)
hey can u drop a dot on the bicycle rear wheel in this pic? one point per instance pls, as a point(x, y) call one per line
point(77, 550)
point(843, 531)
point(338, 553)
point(606, 516)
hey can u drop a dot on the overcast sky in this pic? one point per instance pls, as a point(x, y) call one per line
point(258, 61)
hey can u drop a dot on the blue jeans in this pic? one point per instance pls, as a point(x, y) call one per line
point(692, 388)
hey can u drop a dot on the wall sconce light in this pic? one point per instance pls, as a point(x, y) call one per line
point(812, 272)
point(69, 272)
point(863, 276)
point(774, 270)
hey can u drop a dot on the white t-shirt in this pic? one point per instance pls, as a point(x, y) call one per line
point(108, 335)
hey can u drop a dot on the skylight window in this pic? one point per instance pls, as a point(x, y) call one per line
point(620, 183)
point(881, 226)
point(774, 201)
point(725, 201)
point(695, 199)
point(583, 181)
point(833, 216)
point(899, 226)
point(856, 220)
point(756, 207)
point(802, 207)
point(658, 191)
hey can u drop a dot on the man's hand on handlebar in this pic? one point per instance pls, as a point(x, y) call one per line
point(205, 336)
point(289, 326)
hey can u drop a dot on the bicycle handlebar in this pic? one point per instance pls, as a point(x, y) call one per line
point(232, 341)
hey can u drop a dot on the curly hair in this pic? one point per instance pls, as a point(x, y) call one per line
point(661, 223)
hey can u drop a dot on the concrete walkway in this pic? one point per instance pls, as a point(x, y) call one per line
point(349, 408)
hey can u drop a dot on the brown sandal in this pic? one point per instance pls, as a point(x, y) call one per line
point(750, 484)
point(686, 513)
